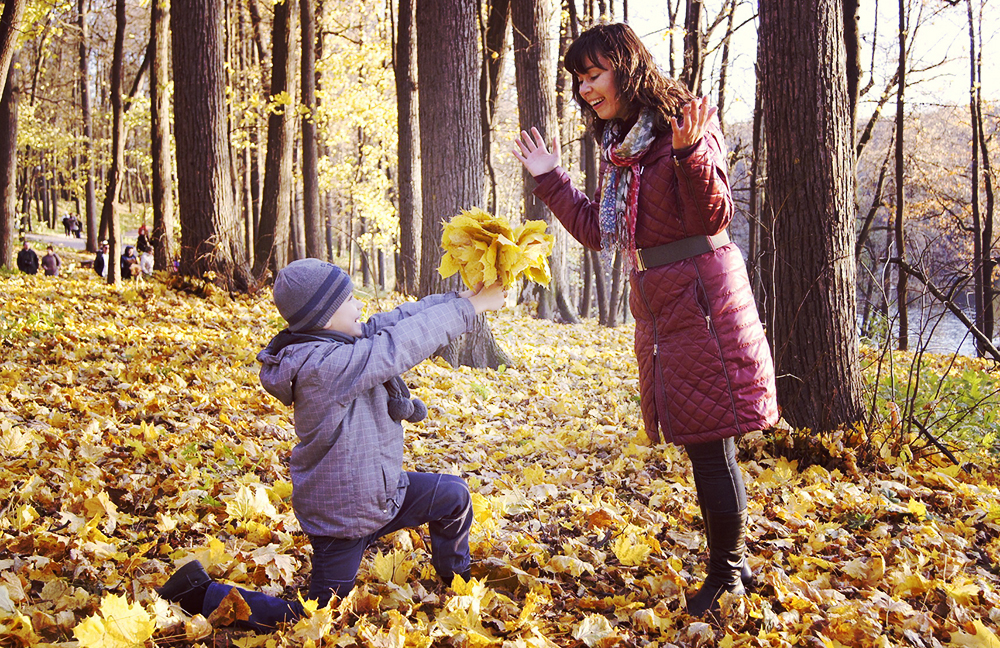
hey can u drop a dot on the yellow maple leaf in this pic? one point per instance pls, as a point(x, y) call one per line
point(983, 637)
point(629, 551)
point(117, 624)
point(250, 503)
point(595, 630)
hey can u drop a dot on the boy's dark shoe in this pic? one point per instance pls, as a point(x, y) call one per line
point(187, 587)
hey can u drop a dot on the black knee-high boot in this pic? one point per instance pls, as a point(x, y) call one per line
point(726, 549)
point(746, 574)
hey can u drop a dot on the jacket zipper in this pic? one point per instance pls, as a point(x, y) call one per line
point(656, 364)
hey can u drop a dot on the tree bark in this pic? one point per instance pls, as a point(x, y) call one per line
point(211, 247)
point(315, 238)
point(902, 301)
point(109, 213)
point(535, 77)
point(810, 190)
point(87, 163)
point(10, 27)
point(162, 169)
point(450, 135)
point(8, 166)
point(271, 249)
point(693, 47)
point(494, 55)
point(408, 175)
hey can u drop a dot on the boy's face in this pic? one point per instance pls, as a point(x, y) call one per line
point(346, 318)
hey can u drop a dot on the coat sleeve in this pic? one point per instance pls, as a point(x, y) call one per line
point(351, 369)
point(703, 184)
point(572, 207)
point(379, 321)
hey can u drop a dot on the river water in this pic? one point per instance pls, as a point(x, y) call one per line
point(937, 330)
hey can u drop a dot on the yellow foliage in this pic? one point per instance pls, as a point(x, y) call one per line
point(134, 437)
point(483, 248)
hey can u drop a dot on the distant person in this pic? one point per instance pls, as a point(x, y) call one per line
point(146, 262)
point(348, 483)
point(51, 262)
point(101, 260)
point(67, 224)
point(27, 260)
point(75, 225)
point(142, 242)
point(129, 263)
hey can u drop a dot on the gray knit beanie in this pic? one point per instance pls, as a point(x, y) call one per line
point(308, 292)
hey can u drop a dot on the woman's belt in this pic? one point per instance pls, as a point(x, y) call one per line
point(678, 250)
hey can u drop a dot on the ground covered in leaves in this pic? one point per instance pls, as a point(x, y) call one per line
point(134, 435)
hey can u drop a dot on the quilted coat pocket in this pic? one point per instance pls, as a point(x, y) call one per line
point(696, 390)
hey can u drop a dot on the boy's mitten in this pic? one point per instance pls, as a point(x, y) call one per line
point(401, 406)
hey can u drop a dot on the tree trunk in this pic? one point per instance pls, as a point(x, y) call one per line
point(810, 191)
point(271, 249)
point(315, 239)
point(109, 213)
point(8, 167)
point(494, 55)
point(902, 301)
point(693, 47)
point(408, 174)
point(852, 48)
point(724, 65)
point(163, 181)
point(534, 67)
point(450, 135)
point(87, 154)
point(211, 247)
point(10, 28)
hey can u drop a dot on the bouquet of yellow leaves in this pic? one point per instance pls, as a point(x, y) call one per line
point(484, 248)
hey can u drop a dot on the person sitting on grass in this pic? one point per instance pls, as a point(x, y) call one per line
point(348, 483)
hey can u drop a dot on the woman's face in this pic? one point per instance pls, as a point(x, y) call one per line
point(599, 89)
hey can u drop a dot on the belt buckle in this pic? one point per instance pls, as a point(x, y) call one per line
point(640, 264)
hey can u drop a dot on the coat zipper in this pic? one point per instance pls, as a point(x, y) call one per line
point(656, 364)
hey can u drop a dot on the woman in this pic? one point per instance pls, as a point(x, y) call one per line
point(705, 370)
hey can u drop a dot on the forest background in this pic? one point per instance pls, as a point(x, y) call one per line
point(349, 131)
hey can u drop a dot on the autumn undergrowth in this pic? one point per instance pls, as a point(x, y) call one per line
point(134, 436)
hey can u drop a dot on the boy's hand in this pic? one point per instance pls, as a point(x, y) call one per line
point(490, 298)
point(471, 291)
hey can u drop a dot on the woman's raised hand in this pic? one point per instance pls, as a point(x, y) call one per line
point(697, 115)
point(534, 155)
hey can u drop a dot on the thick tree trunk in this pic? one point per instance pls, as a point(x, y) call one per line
point(8, 167)
point(408, 175)
point(315, 239)
point(211, 247)
point(494, 56)
point(534, 65)
point(163, 181)
point(10, 28)
point(810, 191)
point(109, 213)
point(450, 135)
point(271, 249)
point(87, 163)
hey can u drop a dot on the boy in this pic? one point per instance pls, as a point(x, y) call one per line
point(348, 486)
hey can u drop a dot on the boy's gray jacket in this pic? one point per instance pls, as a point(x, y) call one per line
point(347, 468)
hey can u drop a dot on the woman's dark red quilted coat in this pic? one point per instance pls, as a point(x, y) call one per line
point(705, 369)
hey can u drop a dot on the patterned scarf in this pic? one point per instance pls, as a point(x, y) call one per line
point(620, 202)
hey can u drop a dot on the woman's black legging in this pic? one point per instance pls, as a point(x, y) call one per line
point(717, 476)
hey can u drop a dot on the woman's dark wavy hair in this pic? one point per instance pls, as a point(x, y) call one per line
point(640, 82)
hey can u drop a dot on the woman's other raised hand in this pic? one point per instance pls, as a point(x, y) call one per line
point(697, 115)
